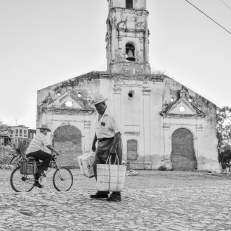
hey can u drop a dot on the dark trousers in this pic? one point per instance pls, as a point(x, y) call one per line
point(101, 158)
point(41, 155)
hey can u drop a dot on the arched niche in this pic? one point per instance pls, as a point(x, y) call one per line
point(183, 153)
point(67, 139)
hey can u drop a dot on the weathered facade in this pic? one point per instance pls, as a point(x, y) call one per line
point(162, 121)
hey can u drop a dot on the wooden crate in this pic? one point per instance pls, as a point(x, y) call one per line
point(28, 167)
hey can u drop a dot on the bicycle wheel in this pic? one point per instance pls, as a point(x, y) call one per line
point(21, 182)
point(62, 179)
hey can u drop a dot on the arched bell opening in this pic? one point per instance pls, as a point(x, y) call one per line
point(130, 52)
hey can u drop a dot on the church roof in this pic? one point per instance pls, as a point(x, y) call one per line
point(106, 75)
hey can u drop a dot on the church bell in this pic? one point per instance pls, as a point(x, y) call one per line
point(130, 56)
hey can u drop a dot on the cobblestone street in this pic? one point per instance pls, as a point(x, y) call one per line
point(151, 200)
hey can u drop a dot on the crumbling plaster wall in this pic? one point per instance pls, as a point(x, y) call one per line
point(203, 129)
point(88, 86)
point(140, 117)
point(141, 121)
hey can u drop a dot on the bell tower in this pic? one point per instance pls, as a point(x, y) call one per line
point(127, 37)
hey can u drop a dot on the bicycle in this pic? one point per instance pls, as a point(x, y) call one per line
point(13, 158)
point(23, 182)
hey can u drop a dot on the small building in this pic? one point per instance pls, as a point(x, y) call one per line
point(19, 131)
point(4, 137)
point(31, 133)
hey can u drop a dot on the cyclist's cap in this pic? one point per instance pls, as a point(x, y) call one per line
point(45, 127)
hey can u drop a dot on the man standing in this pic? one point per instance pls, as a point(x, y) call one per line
point(108, 135)
point(36, 150)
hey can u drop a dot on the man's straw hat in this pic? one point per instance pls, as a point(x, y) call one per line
point(45, 127)
point(99, 99)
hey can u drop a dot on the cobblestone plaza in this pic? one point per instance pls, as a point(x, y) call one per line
point(152, 200)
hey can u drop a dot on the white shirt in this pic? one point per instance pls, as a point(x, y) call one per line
point(39, 142)
point(107, 126)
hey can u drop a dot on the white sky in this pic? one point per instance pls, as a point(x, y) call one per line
point(43, 42)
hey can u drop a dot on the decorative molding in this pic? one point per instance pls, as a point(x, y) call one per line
point(68, 121)
point(140, 12)
point(165, 126)
point(87, 124)
point(183, 124)
point(117, 90)
point(199, 127)
point(166, 113)
point(179, 116)
point(130, 68)
point(67, 111)
point(146, 92)
point(132, 133)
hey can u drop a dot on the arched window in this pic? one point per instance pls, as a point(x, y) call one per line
point(132, 149)
point(129, 4)
point(130, 52)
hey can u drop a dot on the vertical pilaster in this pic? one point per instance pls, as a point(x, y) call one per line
point(197, 145)
point(117, 101)
point(87, 143)
point(167, 140)
point(146, 125)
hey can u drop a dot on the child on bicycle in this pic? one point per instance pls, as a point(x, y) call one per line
point(35, 150)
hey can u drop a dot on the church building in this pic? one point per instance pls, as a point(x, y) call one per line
point(163, 122)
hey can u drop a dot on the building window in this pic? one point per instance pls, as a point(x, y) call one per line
point(130, 52)
point(132, 149)
point(129, 4)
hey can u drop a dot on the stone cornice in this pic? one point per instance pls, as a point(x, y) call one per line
point(132, 133)
point(68, 111)
point(135, 11)
point(106, 75)
point(131, 31)
point(146, 91)
point(180, 116)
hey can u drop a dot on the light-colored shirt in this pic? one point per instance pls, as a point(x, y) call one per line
point(39, 142)
point(107, 126)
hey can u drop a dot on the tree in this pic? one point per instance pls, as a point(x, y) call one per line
point(3, 127)
point(224, 129)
